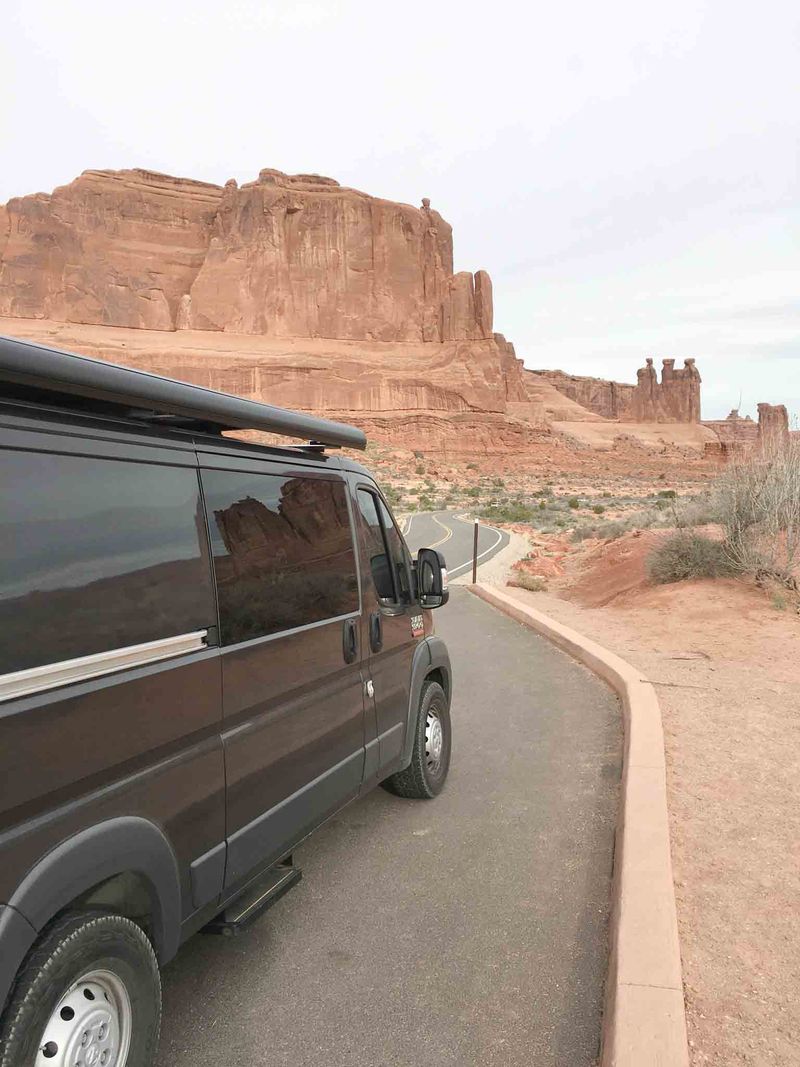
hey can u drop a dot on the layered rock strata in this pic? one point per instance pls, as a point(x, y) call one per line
point(284, 256)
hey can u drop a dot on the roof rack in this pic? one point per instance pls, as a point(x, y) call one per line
point(156, 400)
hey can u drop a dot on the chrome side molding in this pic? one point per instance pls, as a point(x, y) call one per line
point(50, 675)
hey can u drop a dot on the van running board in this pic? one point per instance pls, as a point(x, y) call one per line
point(246, 909)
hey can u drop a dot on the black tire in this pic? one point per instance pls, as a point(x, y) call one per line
point(70, 947)
point(422, 780)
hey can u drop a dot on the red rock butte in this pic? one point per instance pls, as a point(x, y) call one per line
point(298, 291)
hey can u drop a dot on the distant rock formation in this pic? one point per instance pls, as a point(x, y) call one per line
point(675, 399)
point(773, 426)
point(608, 400)
point(284, 256)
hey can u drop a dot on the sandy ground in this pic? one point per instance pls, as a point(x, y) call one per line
point(601, 436)
point(726, 664)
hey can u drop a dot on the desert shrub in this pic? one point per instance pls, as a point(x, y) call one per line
point(419, 469)
point(702, 510)
point(606, 493)
point(426, 503)
point(472, 466)
point(667, 494)
point(573, 502)
point(531, 582)
point(393, 496)
point(605, 531)
point(758, 506)
point(473, 491)
point(686, 554)
point(509, 511)
point(598, 509)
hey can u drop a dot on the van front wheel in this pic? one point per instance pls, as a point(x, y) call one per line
point(425, 776)
point(89, 994)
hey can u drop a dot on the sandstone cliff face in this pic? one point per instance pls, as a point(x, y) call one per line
point(606, 399)
point(115, 248)
point(676, 398)
point(285, 256)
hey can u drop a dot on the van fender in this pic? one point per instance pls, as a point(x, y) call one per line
point(100, 852)
point(429, 655)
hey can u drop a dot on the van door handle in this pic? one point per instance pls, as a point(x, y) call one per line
point(375, 632)
point(349, 640)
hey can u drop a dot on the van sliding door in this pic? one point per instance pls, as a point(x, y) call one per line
point(293, 693)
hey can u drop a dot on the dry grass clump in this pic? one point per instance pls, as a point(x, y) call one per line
point(686, 554)
point(531, 582)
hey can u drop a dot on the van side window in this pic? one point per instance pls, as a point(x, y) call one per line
point(97, 554)
point(283, 551)
point(398, 553)
point(385, 549)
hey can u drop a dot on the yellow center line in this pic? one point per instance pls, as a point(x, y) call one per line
point(447, 536)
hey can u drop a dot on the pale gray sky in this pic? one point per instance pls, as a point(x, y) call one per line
point(627, 172)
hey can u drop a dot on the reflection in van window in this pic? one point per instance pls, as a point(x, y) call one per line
point(97, 554)
point(283, 551)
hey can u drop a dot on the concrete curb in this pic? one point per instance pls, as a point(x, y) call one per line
point(644, 1022)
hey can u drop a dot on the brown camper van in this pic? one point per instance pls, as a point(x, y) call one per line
point(207, 647)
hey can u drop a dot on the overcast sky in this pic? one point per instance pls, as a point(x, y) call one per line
point(626, 171)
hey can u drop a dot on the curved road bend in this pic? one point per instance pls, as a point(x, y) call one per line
point(454, 537)
point(468, 931)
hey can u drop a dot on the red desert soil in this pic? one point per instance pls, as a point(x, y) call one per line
point(726, 665)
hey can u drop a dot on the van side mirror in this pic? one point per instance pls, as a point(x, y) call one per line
point(431, 575)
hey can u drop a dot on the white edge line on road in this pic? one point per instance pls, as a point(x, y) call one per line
point(468, 564)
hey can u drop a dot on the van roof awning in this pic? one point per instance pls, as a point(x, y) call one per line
point(149, 397)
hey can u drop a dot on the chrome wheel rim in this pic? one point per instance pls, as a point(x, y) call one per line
point(90, 1026)
point(434, 741)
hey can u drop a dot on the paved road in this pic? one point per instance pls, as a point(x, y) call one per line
point(461, 932)
point(454, 537)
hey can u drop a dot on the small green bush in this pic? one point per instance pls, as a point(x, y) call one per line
point(598, 509)
point(473, 491)
point(510, 511)
point(472, 466)
point(419, 469)
point(667, 494)
point(685, 554)
point(573, 503)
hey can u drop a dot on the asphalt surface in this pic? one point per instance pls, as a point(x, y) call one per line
point(454, 537)
point(467, 930)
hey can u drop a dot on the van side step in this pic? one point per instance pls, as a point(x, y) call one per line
point(247, 908)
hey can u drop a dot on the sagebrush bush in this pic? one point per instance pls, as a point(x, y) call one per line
point(685, 554)
point(757, 500)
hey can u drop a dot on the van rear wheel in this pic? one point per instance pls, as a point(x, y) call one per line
point(425, 776)
point(88, 995)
